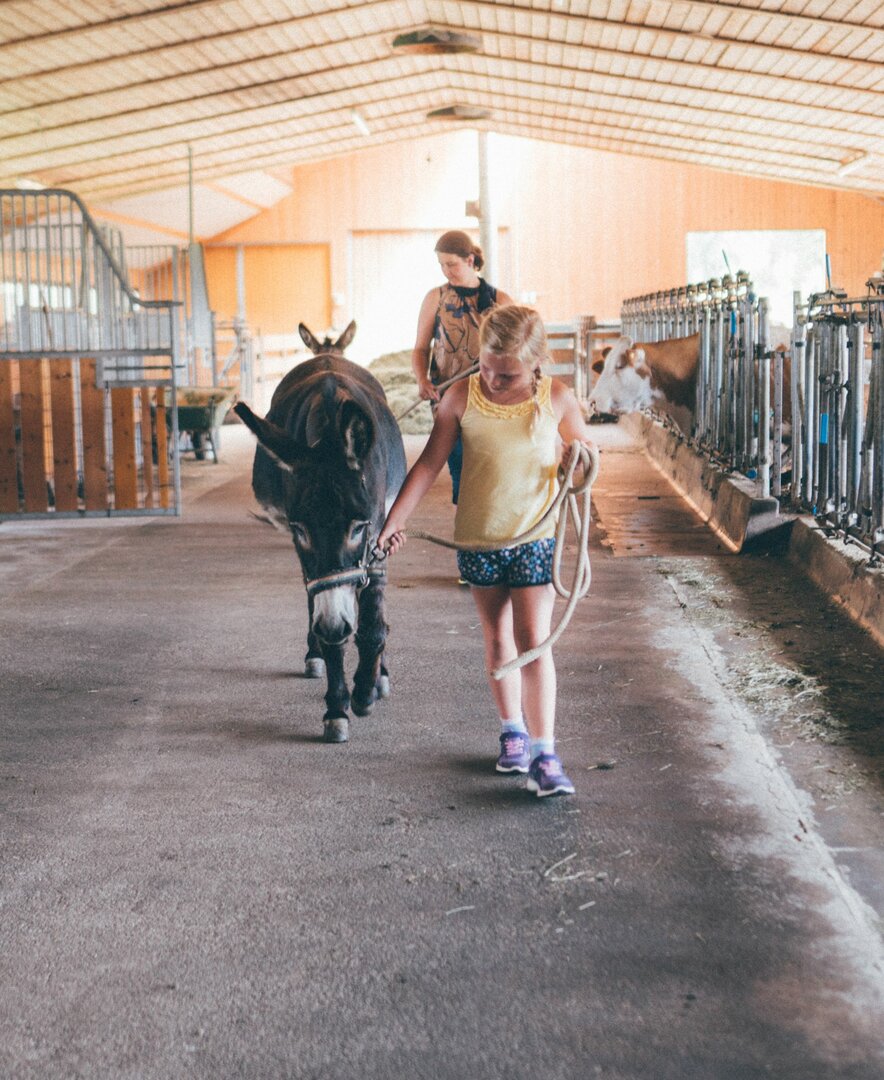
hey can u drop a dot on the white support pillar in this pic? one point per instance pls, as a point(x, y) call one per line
point(488, 218)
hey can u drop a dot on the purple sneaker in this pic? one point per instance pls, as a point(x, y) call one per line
point(514, 756)
point(547, 777)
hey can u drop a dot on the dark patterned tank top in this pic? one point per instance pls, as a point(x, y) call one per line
point(456, 332)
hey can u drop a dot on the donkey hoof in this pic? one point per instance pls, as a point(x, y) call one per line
point(362, 708)
point(336, 730)
point(314, 668)
point(384, 686)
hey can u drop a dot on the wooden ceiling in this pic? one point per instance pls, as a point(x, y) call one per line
point(105, 96)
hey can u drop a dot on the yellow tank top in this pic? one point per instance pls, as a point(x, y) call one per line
point(509, 470)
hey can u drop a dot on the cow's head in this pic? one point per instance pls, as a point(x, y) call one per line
point(333, 504)
point(624, 382)
point(319, 348)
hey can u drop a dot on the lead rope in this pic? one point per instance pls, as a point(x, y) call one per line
point(440, 387)
point(568, 493)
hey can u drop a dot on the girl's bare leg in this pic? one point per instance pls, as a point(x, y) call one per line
point(496, 616)
point(532, 609)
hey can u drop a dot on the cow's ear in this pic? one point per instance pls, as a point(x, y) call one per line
point(357, 433)
point(599, 365)
point(273, 439)
point(345, 338)
point(309, 340)
point(640, 362)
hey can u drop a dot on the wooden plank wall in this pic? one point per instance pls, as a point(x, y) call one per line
point(55, 455)
point(8, 463)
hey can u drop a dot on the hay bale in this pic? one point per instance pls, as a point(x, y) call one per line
point(393, 372)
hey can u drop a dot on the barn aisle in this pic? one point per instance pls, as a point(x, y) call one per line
point(193, 885)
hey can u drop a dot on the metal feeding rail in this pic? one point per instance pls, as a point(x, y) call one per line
point(838, 405)
point(738, 413)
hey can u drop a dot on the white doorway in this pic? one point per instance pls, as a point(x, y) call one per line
point(390, 272)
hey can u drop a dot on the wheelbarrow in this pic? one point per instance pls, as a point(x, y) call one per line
point(201, 411)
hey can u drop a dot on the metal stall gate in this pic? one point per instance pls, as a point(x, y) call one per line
point(738, 413)
point(838, 406)
point(88, 370)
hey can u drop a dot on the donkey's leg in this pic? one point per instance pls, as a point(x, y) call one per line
point(371, 637)
point(337, 697)
point(383, 679)
point(314, 665)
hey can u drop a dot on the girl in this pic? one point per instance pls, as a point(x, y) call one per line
point(512, 420)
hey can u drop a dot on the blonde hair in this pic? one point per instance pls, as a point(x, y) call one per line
point(455, 242)
point(517, 331)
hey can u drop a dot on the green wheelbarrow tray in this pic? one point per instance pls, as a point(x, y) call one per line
point(201, 411)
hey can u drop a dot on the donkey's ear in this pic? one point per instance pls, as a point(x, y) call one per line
point(316, 424)
point(345, 338)
point(357, 434)
point(309, 340)
point(273, 439)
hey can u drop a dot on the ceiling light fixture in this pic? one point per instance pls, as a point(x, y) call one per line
point(25, 184)
point(436, 39)
point(459, 112)
point(359, 122)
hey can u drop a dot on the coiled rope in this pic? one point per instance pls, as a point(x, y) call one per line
point(579, 511)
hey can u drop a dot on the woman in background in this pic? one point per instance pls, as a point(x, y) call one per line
point(447, 341)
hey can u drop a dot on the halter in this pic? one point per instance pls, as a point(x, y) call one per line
point(358, 575)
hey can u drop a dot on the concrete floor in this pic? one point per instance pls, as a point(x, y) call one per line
point(193, 885)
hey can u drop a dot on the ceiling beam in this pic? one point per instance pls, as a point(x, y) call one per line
point(248, 149)
point(189, 7)
point(546, 132)
point(766, 86)
point(392, 9)
point(126, 219)
point(447, 83)
point(232, 122)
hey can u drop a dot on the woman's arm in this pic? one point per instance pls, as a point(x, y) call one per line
point(446, 428)
point(420, 355)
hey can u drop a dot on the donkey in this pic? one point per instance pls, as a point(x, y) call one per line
point(328, 465)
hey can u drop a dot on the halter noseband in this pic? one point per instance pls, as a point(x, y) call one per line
point(358, 575)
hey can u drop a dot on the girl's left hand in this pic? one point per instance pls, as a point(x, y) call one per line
point(390, 541)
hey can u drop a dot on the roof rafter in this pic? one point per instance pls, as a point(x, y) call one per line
point(691, 6)
point(765, 82)
point(438, 80)
point(316, 127)
point(392, 8)
point(547, 131)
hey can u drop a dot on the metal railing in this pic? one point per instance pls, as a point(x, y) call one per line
point(85, 358)
point(738, 416)
point(838, 410)
point(64, 293)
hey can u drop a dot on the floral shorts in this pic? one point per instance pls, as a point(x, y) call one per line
point(515, 567)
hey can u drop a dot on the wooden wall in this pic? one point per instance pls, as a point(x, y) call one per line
point(284, 284)
point(587, 228)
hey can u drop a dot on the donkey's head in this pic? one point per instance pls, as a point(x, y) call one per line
point(318, 347)
point(331, 498)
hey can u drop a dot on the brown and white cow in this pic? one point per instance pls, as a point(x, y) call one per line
point(661, 375)
point(635, 376)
